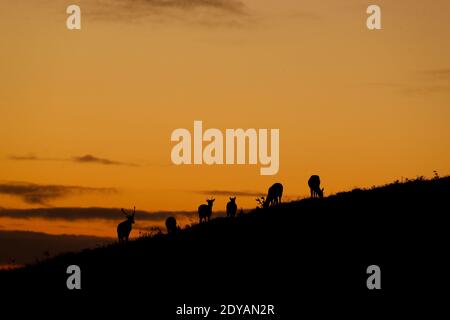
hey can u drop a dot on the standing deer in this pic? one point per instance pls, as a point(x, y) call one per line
point(124, 228)
point(274, 195)
point(171, 225)
point(205, 210)
point(314, 186)
point(231, 207)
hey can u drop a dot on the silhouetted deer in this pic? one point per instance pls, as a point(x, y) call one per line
point(274, 195)
point(205, 210)
point(314, 186)
point(171, 225)
point(231, 207)
point(124, 228)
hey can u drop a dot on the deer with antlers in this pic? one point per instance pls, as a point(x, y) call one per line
point(124, 228)
point(205, 210)
point(231, 207)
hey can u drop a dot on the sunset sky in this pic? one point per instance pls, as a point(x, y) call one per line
point(86, 116)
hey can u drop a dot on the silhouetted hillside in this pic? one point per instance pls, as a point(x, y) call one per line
point(18, 244)
point(313, 248)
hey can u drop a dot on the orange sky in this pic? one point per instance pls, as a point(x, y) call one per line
point(357, 107)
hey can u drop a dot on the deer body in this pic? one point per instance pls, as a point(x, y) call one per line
point(274, 195)
point(314, 186)
point(205, 211)
point(124, 228)
point(231, 207)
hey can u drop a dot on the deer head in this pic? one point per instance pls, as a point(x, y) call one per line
point(130, 217)
point(210, 202)
point(320, 192)
point(232, 199)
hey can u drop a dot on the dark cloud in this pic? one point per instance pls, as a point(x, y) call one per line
point(88, 158)
point(92, 159)
point(40, 194)
point(72, 214)
point(231, 193)
point(24, 247)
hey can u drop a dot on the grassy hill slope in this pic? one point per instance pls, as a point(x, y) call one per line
point(313, 248)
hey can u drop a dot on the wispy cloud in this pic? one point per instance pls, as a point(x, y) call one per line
point(428, 89)
point(137, 8)
point(41, 194)
point(231, 193)
point(161, 10)
point(93, 159)
point(234, 6)
point(88, 158)
point(437, 74)
point(26, 157)
point(230, 6)
point(435, 82)
point(73, 214)
point(304, 15)
point(32, 157)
